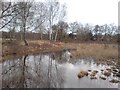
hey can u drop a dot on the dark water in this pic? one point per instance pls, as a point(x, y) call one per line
point(52, 70)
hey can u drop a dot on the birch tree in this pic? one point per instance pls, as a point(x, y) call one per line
point(54, 14)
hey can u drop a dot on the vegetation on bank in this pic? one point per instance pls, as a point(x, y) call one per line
point(95, 50)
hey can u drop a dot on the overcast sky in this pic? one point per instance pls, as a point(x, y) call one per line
point(92, 11)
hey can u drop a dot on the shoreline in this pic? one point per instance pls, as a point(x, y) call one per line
point(98, 51)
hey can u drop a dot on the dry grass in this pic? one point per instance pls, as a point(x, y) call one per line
point(0, 49)
point(98, 51)
point(39, 42)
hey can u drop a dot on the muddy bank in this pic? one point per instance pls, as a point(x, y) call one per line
point(15, 48)
point(101, 52)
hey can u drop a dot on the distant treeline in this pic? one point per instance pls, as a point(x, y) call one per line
point(46, 21)
point(67, 37)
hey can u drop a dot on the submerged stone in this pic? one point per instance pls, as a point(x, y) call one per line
point(95, 71)
point(115, 70)
point(102, 77)
point(107, 73)
point(108, 69)
point(89, 70)
point(93, 77)
point(114, 81)
point(118, 74)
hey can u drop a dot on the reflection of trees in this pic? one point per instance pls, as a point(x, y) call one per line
point(49, 72)
point(13, 72)
point(36, 73)
point(23, 77)
point(54, 74)
point(57, 56)
point(40, 71)
point(60, 57)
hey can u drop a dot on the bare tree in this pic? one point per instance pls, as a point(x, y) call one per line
point(55, 13)
point(61, 30)
point(74, 27)
point(55, 31)
point(88, 32)
point(53, 7)
point(63, 26)
point(24, 8)
point(40, 10)
point(7, 13)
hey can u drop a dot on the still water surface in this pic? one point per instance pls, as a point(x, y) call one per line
point(52, 70)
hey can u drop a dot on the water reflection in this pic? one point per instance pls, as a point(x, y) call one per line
point(52, 70)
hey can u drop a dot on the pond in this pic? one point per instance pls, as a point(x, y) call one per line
point(55, 70)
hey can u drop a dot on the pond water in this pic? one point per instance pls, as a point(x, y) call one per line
point(53, 70)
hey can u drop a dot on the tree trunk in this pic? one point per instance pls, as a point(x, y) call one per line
point(21, 38)
point(52, 36)
point(56, 36)
point(41, 36)
point(24, 34)
point(49, 36)
point(23, 78)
